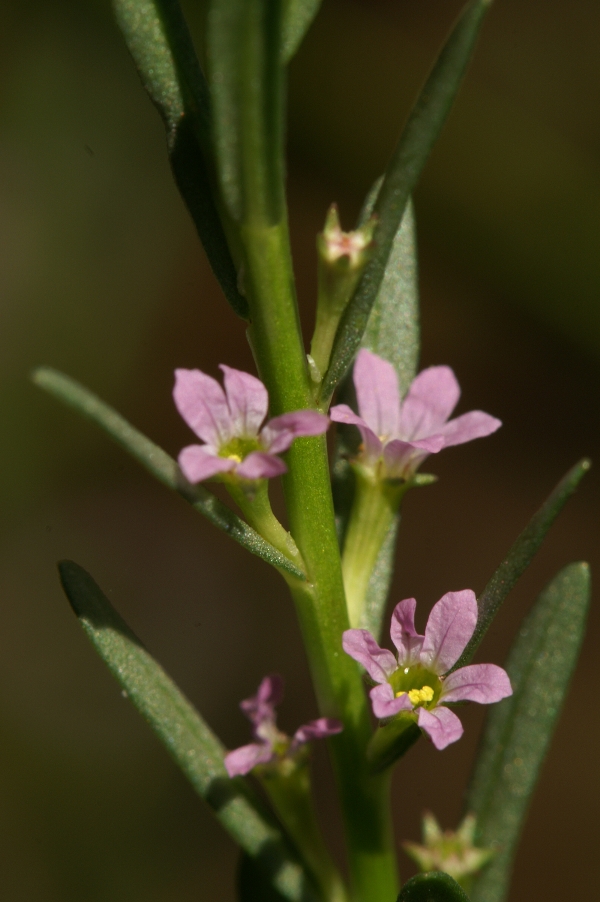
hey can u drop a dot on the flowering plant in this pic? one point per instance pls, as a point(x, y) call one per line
point(335, 553)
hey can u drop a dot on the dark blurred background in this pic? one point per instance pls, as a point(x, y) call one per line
point(101, 275)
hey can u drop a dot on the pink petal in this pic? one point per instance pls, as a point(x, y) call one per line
point(441, 725)
point(317, 729)
point(403, 458)
point(475, 424)
point(404, 635)
point(385, 703)
point(378, 662)
point(431, 399)
point(260, 465)
point(483, 683)
point(280, 432)
point(199, 462)
point(341, 413)
point(261, 707)
point(270, 691)
point(376, 384)
point(242, 760)
point(201, 402)
point(450, 626)
point(248, 401)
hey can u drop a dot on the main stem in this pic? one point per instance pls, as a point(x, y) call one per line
point(276, 340)
point(277, 344)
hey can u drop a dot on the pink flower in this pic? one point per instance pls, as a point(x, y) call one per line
point(400, 434)
point(272, 745)
point(229, 422)
point(413, 682)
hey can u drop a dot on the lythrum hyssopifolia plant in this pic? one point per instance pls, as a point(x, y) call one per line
point(225, 136)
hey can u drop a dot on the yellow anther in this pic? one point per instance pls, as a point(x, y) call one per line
point(421, 696)
point(235, 457)
point(398, 694)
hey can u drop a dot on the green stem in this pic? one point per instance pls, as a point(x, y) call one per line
point(321, 606)
point(276, 341)
point(376, 503)
point(290, 794)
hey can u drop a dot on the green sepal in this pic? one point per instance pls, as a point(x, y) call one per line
point(519, 729)
point(161, 465)
point(159, 41)
point(187, 738)
point(520, 556)
point(433, 887)
point(298, 16)
point(391, 741)
point(418, 137)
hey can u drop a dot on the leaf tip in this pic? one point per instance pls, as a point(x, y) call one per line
point(71, 578)
point(38, 375)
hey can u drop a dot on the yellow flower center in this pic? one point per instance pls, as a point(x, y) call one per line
point(418, 696)
point(239, 448)
point(422, 686)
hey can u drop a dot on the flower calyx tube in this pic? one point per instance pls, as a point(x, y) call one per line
point(280, 762)
point(240, 449)
point(342, 257)
point(452, 851)
point(397, 436)
point(414, 686)
point(273, 748)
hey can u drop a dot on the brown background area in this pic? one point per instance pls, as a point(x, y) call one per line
point(101, 276)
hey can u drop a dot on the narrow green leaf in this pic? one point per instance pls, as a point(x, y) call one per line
point(420, 133)
point(520, 556)
point(433, 887)
point(160, 464)
point(297, 19)
point(161, 46)
point(246, 82)
point(393, 326)
point(393, 333)
point(380, 582)
point(189, 741)
point(519, 729)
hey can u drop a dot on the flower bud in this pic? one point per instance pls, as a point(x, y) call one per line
point(342, 257)
point(453, 852)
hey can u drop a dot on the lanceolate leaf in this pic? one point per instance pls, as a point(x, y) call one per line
point(160, 464)
point(417, 139)
point(189, 741)
point(161, 46)
point(519, 729)
point(379, 584)
point(520, 556)
point(246, 82)
point(433, 887)
point(297, 18)
point(393, 326)
point(393, 333)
